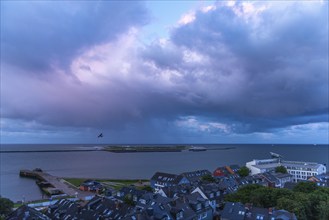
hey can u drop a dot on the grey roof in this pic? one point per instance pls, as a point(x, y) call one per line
point(234, 211)
point(98, 207)
point(270, 177)
point(282, 175)
point(157, 206)
point(195, 175)
point(255, 213)
point(267, 166)
point(132, 191)
point(62, 209)
point(175, 191)
point(108, 208)
point(27, 213)
point(283, 215)
point(235, 167)
point(272, 163)
point(167, 177)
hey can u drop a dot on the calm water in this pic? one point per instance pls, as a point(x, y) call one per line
point(97, 164)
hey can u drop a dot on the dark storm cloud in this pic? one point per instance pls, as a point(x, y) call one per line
point(266, 70)
point(231, 69)
point(39, 35)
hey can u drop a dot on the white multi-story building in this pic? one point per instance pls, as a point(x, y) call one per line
point(299, 170)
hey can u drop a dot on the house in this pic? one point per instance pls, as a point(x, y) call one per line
point(130, 193)
point(211, 192)
point(283, 178)
point(92, 186)
point(233, 211)
point(283, 215)
point(298, 169)
point(220, 172)
point(160, 180)
point(174, 191)
point(26, 213)
point(254, 179)
point(104, 208)
point(238, 211)
point(226, 171)
point(63, 209)
point(96, 208)
point(195, 177)
point(188, 207)
point(199, 205)
point(229, 184)
point(321, 180)
point(257, 213)
point(235, 168)
point(277, 180)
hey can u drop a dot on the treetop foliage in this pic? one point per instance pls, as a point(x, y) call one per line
point(306, 200)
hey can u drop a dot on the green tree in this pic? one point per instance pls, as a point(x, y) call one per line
point(147, 188)
point(263, 197)
point(292, 205)
point(319, 203)
point(243, 171)
point(128, 200)
point(306, 187)
point(208, 178)
point(307, 201)
point(6, 206)
point(243, 194)
point(281, 169)
point(323, 210)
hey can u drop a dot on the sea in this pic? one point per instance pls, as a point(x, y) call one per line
point(108, 165)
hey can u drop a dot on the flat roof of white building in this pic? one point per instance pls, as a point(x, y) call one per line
point(272, 163)
point(301, 164)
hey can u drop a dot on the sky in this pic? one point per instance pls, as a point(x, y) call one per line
point(157, 72)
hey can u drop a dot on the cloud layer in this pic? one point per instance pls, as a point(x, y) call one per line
point(227, 69)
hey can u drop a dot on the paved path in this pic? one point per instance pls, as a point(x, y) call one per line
point(58, 183)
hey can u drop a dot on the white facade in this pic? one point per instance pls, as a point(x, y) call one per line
point(262, 166)
point(303, 170)
point(299, 170)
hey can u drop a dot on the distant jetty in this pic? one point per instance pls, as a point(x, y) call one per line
point(195, 149)
point(143, 149)
point(47, 151)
